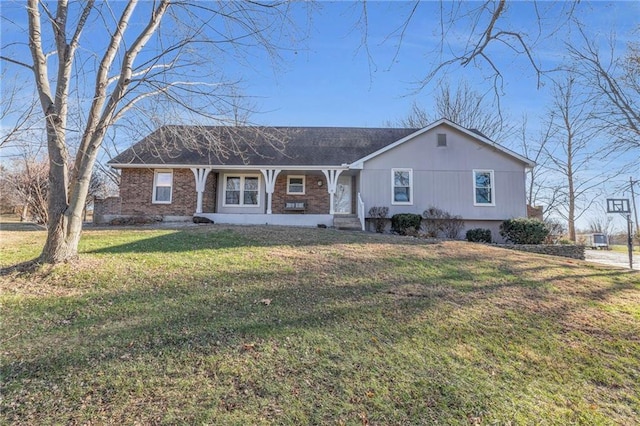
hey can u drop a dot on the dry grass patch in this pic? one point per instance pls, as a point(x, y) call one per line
point(263, 325)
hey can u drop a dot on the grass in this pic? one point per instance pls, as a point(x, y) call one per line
point(268, 325)
point(624, 248)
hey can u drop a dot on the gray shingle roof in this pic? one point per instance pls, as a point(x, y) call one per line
point(260, 146)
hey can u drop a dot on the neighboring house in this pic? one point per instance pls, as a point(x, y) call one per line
point(320, 173)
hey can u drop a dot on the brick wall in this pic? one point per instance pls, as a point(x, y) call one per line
point(136, 192)
point(317, 197)
point(103, 207)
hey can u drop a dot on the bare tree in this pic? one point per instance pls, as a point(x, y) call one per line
point(539, 188)
point(26, 187)
point(162, 48)
point(17, 114)
point(615, 83)
point(471, 32)
point(464, 106)
point(576, 152)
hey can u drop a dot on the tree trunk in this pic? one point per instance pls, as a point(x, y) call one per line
point(63, 236)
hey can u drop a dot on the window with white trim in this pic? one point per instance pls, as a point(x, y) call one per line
point(241, 190)
point(483, 188)
point(295, 185)
point(162, 186)
point(402, 186)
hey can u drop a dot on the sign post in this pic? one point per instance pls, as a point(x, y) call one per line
point(621, 205)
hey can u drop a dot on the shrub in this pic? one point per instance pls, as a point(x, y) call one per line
point(439, 221)
point(379, 216)
point(524, 231)
point(432, 221)
point(479, 235)
point(404, 223)
point(556, 231)
point(452, 225)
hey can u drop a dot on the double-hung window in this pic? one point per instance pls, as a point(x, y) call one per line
point(483, 188)
point(241, 190)
point(162, 186)
point(402, 186)
point(295, 185)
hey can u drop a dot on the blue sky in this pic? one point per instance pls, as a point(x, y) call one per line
point(326, 78)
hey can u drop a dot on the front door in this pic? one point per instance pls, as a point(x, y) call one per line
point(342, 197)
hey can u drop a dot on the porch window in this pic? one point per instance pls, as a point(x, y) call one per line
point(162, 186)
point(402, 183)
point(295, 185)
point(483, 188)
point(241, 190)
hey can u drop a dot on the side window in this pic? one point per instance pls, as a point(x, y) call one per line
point(295, 185)
point(402, 186)
point(483, 188)
point(162, 186)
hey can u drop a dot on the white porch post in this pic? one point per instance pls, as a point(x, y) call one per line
point(332, 185)
point(201, 180)
point(270, 184)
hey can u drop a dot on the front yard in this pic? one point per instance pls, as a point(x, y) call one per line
point(267, 325)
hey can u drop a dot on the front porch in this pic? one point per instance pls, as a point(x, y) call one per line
point(295, 197)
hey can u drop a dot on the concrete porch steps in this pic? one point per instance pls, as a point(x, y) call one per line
point(347, 223)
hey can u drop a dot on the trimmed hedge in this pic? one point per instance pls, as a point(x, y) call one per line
point(403, 223)
point(524, 231)
point(479, 235)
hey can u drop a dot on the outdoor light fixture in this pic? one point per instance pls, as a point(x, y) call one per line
point(319, 183)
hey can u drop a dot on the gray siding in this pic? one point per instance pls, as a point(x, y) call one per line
point(443, 177)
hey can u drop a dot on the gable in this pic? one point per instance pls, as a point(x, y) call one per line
point(463, 145)
point(462, 152)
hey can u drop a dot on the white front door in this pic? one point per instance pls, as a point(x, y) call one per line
point(342, 197)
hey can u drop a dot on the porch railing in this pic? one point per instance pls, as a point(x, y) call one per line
point(361, 211)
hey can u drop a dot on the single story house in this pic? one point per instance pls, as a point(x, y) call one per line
point(309, 176)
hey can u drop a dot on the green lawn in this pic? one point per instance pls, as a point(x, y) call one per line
point(268, 325)
point(624, 249)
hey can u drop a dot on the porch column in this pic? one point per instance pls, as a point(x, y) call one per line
point(201, 180)
point(332, 185)
point(270, 184)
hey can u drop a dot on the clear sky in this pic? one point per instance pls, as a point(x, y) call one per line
point(328, 77)
point(329, 81)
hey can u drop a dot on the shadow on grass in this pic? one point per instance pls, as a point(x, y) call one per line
point(179, 241)
point(207, 318)
point(21, 226)
point(23, 268)
point(237, 236)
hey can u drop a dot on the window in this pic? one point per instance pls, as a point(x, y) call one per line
point(442, 139)
point(295, 185)
point(241, 190)
point(483, 188)
point(402, 183)
point(162, 185)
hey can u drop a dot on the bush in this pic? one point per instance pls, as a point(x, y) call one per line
point(524, 231)
point(405, 223)
point(479, 235)
point(451, 226)
point(556, 231)
point(439, 221)
point(432, 221)
point(379, 216)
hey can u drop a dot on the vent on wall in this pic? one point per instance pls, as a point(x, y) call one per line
point(442, 139)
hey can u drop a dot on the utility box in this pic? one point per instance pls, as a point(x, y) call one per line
point(598, 241)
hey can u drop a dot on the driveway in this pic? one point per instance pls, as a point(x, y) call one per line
point(612, 258)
